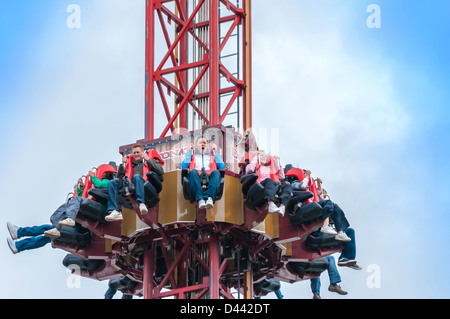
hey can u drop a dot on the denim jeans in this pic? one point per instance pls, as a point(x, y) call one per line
point(277, 293)
point(196, 186)
point(115, 185)
point(332, 210)
point(36, 237)
point(111, 292)
point(333, 274)
point(349, 250)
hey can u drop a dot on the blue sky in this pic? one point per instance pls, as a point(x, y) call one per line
point(365, 109)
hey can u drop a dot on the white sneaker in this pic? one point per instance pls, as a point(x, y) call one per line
point(113, 216)
point(67, 222)
point(143, 209)
point(52, 233)
point(201, 204)
point(282, 210)
point(12, 245)
point(273, 208)
point(342, 237)
point(209, 203)
point(12, 230)
point(328, 230)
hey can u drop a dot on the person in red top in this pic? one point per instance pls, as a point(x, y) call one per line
point(136, 167)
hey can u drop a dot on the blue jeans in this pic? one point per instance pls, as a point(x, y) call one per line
point(36, 237)
point(196, 185)
point(111, 292)
point(115, 185)
point(277, 293)
point(349, 250)
point(331, 209)
point(333, 274)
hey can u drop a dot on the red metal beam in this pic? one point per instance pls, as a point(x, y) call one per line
point(185, 92)
point(214, 266)
point(230, 104)
point(247, 66)
point(236, 21)
point(173, 266)
point(185, 100)
point(148, 273)
point(182, 32)
point(214, 55)
point(149, 70)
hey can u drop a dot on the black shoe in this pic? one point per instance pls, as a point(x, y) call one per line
point(345, 262)
point(356, 267)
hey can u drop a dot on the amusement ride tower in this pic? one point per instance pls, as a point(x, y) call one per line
point(198, 84)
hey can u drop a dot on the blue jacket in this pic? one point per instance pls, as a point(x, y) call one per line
point(217, 158)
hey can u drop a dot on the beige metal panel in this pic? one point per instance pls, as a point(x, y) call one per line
point(172, 206)
point(271, 225)
point(131, 223)
point(288, 246)
point(268, 227)
point(229, 209)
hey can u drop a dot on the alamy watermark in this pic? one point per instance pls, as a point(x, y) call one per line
point(374, 19)
point(73, 21)
point(374, 279)
point(74, 279)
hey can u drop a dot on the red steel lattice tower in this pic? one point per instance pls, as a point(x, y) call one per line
point(193, 67)
point(198, 53)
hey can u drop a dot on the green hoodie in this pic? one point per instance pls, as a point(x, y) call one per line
point(99, 183)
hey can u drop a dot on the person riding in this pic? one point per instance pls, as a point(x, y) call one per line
point(136, 167)
point(203, 160)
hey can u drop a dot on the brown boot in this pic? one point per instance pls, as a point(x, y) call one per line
point(337, 289)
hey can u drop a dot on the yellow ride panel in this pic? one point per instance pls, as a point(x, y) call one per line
point(173, 208)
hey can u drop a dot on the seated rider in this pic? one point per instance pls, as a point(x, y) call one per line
point(135, 166)
point(64, 215)
point(329, 208)
point(203, 159)
point(78, 187)
point(269, 171)
point(333, 210)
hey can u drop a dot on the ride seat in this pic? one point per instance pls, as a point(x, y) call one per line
point(83, 264)
point(152, 188)
point(99, 194)
point(93, 210)
point(314, 267)
point(266, 286)
point(307, 213)
point(99, 172)
point(254, 191)
point(187, 191)
point(319, 241)
point(74, 236)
